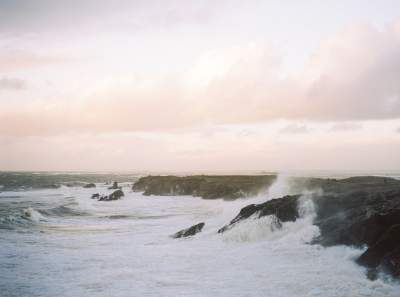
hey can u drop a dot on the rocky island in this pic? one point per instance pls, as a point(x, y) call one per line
point(204, 186)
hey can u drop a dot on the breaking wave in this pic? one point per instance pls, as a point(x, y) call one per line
point(270, 227)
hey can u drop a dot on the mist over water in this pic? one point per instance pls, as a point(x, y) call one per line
point(59, 242)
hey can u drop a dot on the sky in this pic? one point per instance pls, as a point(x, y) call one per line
point(95, 85)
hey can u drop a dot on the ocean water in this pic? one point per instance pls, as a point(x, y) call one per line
point(59, 242)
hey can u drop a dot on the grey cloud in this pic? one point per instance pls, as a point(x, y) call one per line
point(7, 83)
point(35, 16)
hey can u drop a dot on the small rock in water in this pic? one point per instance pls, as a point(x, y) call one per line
point(113, 196)
point(189, 231)
point(116, 195)
point(114, 186)
point(95, 196)
point(91, 185)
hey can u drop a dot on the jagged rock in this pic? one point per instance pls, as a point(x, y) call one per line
point(385, 252)
point(205, 186)
point(284, 209)
point(116, 195)
point(103, 198)
point(114, 186)
point(95, 196)
point(356, 218)
point(357, 211)
point(189, 231)
point(91, 185)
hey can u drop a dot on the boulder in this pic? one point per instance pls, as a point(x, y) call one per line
point(90, 185)
point(189, 231)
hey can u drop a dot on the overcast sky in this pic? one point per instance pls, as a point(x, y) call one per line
point(199, 85)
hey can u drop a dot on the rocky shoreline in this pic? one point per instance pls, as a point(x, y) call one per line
point(356, 211)
point(205, 186)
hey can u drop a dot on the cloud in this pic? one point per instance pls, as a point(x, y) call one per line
point(343, 127)
point(27, 17)
point(12, 59)
point(351, 77)
point(294, 129)
point(7, 83)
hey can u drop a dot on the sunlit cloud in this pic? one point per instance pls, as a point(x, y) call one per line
point(181, 80)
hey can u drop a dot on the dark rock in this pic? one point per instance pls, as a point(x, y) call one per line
point(205, 186)
point(103, 198)
point(386, 244)
point(356, 218)
point(284, 209)
point(189, 231)
point(356, 211)
point(95, 196)
point(116, 195)
point(114, 186)
point(391, 262)
point(91, 185)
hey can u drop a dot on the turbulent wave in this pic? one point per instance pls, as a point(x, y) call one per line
point(270, 228)
point(62, 211)
point(92, 248)
point(25, 217)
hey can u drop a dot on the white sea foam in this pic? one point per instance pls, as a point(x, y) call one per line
point(93, 255)
point(32, 215)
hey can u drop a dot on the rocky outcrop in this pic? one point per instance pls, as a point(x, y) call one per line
point(114, 186)
point(359, 211)
point(284, 209)
point(116, 195)
point(189, 231)
point(90, 185)
point(384, 253)
point(205, 186)
point(356, 218)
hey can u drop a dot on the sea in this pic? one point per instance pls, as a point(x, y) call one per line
point(57, 241)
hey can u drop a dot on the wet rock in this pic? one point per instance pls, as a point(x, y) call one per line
point(284, 209)
point(91, 185)
point(204, 186)
point(356, 218)
point(189, 231)
point(116, 195)
point(359, 211)
point(114, 186)
point(95, 196)
point(385, 252)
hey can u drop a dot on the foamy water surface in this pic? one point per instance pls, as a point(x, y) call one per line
point(59, 242)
